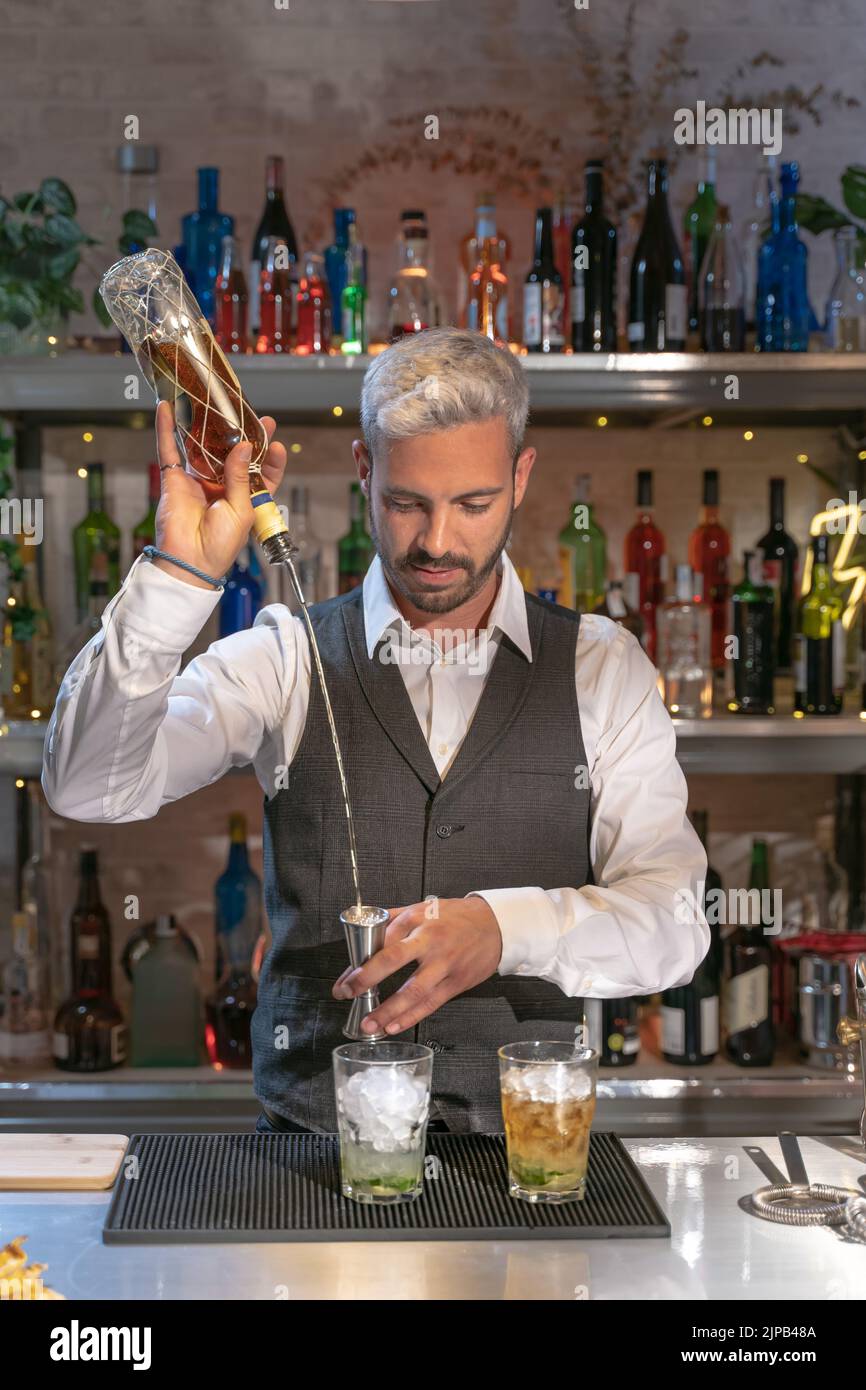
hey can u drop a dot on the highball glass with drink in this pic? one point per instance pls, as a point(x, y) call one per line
point(548, 1101)
point(383, 1102)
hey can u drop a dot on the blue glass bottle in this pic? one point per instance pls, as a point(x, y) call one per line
point(242, 596)
point(783, 311)
point(336, 265)
point(237, 901)
point(203, 232)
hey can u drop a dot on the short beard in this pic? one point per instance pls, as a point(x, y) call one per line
point(432, 602)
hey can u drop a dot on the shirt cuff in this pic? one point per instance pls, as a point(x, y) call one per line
point(161, 606)
point(528, 926)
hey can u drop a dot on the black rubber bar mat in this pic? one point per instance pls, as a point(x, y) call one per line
point(218, 1188)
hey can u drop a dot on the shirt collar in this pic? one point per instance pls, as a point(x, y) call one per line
point(508, 614)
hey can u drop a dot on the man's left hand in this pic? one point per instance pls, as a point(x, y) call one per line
point(457, 944)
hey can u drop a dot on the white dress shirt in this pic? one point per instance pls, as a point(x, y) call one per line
point(129, 734)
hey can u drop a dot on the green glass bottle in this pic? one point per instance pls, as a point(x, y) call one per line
point(355, 549)
point(819, 665)
point(145, 532)
point(754, 631)
point(582, 554)
point(95, 533)
point(700, 220)
point(748, 1010)
point(353, 303)
point(690, 1013)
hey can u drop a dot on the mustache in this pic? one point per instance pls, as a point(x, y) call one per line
point(443, 563)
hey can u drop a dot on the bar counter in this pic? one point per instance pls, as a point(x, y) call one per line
point(716, 1249)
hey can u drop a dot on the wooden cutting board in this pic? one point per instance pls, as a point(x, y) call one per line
point(62, 1162)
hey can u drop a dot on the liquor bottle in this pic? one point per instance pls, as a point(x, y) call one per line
point(98, 597)
point(819, 647)
point(683, 656)
point(722, 291)
point(644, 555)
point(202, 235)
point(353, 302)
point(613, 1030)
point(746, 994)
point(620, 605)
point(33, 687)
point(782, 314)
point(35, 879)
point(25, 1002)
point(313, 335)
point(709, 548)
point(308, 557)
point(232, 300)
point(355, 550)
point(543, 329)
point(241, 598)
point(755, 656)
point(781, 564)
point(274, 222)
point(96, 532)
point(564, 222)
point(230, 1007)
point(582, 553)
point(593, 283)
point(412, 300)
point(144, 533)
point(485, 283)
point(754, 233)
point(698, 225)
point(690, 1013)
point(167, 1022)
point(89, 1031)
point(658, 305)
point(275, 299)
point(845, 329)
point(335, 264)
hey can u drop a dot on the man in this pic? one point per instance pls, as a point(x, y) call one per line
point(511, 767)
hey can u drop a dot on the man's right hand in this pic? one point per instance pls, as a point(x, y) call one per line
point(205, 525)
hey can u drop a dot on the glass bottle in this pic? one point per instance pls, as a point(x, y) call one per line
point(564, 223)
point(241, 598)
point(612, 1027)
point(230, 1007)
point(582, 553)
point(846, 306)
point(543, 329)
point(238, 896)
point(485, 291)
point(167, 1014)
point(747, 997)
point(335, 264)
point(35, 894)
point(202, 236)
point(144, 533)
point(754, 658)
point(412, 300)
point(33, 686)
point(313, 337)
point(308, 557)
point(819, 663)
point(25, 1000)
point(684, 627)
point(89, 1031)
point(593, 287)
point(353, 303)
point(658, 301)
point(781, 570)
point(782, 318)
point(232, 300)
point(754, 233)
point(709, 549)
point(700, 219)
point(721, 299)
point(690, 1013)
point(621, 605)
point(95, 533)
point(355, 550)
point(275, 299)
point(274, 222)
point(644, 555)
point(98, 597)
point(138, 168)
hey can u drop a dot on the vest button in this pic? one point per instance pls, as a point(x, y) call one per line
point(443, 831)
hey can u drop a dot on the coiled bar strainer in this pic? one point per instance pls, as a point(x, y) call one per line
point(803, 1203)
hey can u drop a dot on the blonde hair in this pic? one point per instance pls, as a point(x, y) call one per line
point(440, 378)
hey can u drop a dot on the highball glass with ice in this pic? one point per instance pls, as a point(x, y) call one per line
point(548, 1101)
point(383, 1101)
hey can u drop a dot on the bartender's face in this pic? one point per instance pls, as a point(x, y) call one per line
point(440, 509)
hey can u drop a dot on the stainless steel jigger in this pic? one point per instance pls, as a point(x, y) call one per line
point(365, 935)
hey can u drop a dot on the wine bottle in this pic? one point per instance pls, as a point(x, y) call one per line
point(274, 222)
point(709, 548)
point(593, 285)
point(612, 1027)
point(820, 644)
point(232, 301)
point(230, 1007)
point(644, 555)
point(620, 604)
point(276, 294)
point(89, 1030)
point(355, 550)
point(95, 532)
point(144, 533)
point(698, 225)
point(750, 1036)
point(690, 1013)
point(781, 563)
point(582, 554)
point(543, 329)
point(658, 307)
point(754, 657)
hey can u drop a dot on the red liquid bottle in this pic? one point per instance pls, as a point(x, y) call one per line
point(314, 309)
point(645, 556)
point(709, 548)
point(232, 300)
point(275, 299)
